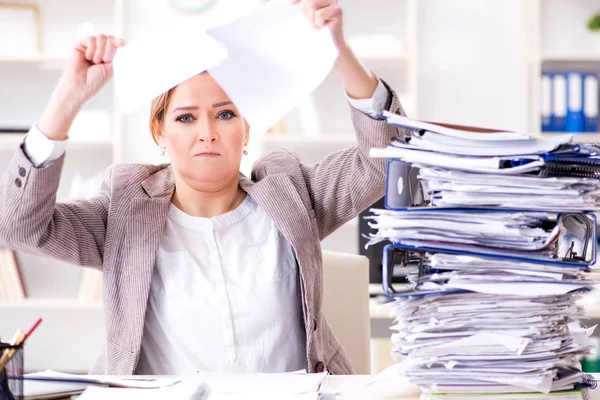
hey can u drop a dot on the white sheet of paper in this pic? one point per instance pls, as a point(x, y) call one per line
point(183, 391)
point(516, 288)
point(145, 69)
point(268, 62)
point(276, 59)
point(125, 382)
point(265, 384)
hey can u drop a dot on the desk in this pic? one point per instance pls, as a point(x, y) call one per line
point(354, 387)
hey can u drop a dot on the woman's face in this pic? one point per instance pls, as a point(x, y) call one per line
point(204, 134)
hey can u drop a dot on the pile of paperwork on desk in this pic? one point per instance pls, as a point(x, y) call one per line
point(202, 385)
point(486, 168)
point(505, 246)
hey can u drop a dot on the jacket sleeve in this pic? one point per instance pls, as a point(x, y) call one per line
point(346, 182)
point(32, 221)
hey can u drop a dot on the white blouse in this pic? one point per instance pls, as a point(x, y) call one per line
point(225, 297)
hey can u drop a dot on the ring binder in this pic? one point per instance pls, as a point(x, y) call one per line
point(399, 255)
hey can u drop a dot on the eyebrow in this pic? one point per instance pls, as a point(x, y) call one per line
point(190, 108)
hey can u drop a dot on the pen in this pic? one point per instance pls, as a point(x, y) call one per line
point(33, 328)
point(9, 353)
point(18, 339)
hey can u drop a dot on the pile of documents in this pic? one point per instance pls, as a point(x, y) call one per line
point(202, 385)
point(473, 167)
point(493, 303)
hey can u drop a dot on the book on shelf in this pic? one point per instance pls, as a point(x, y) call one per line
point(11, 283)
point(569, 102)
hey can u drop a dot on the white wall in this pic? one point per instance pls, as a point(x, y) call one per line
point(472, 62)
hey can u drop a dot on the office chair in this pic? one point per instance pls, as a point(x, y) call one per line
point(346, 305)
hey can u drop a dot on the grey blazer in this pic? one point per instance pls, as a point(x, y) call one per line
point(119, 230)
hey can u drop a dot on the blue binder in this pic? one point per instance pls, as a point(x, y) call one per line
point(559, 102)
point(574, 119)
point(590, 102)
point(570, 259)
point(546, 102)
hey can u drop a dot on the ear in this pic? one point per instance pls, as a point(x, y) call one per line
point(158, 134)
point(247, 135)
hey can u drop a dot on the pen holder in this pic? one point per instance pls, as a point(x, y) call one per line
point(11, 376)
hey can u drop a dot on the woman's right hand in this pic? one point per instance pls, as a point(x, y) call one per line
point(90, 66)
point(87, 71)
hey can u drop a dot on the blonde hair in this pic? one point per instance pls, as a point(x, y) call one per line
point(158, 110)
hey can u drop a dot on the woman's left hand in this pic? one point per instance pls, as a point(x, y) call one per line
point(325, 13)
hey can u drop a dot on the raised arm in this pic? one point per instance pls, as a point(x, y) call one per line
point(346, 182)
point(30, 218)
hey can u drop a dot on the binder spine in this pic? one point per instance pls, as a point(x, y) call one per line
point(559, 102)
point(574, 118)
point(590, 103)
point(546, 102)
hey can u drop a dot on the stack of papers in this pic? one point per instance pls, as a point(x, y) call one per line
point(203, 385)
point(493, 306)
point(492, 326)
point(453, 188)
point(502, 230)
point(472, 167)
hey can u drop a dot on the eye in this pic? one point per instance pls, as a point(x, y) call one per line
point(185, 118)
point(226, 115)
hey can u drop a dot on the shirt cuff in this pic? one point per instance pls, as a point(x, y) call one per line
point(373, 106)
point(40, 150)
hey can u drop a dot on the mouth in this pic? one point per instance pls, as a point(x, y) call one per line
point(208, 154)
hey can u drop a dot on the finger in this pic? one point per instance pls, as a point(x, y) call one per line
point(110, 50)
point(90, 47)
point(100, 48)
point(309, 12)
point(120, 42)
point(295, 1)
point(316, 4)
point(326, 15)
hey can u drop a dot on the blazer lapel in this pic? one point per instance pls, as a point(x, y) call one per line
point(279, 197)
point(145, 226)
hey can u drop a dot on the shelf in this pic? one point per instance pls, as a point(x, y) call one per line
point(10, 141)
point(42, 60)
point(50, 304)
point(581, 58)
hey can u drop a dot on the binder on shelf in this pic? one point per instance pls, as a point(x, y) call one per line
point(590, 102)
point(574, 120)
point(559, 102)
point(546, 102)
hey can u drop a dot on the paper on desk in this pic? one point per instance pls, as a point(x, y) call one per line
point(463, 163)
point(181, 391)
point(33, 389)
point(263, 384)
point(454, 131)
point(124, 382)
point(267, 62)
point(223, 386)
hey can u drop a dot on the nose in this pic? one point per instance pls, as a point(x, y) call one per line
point(207, 131)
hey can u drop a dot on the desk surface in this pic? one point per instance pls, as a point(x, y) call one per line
point(355, 387)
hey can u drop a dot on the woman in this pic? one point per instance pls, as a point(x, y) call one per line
point(203, 268)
